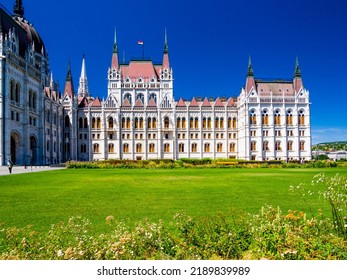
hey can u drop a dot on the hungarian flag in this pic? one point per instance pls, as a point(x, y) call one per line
point(140, 42)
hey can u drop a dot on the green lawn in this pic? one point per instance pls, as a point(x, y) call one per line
point(44, 198)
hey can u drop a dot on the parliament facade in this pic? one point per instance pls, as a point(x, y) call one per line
point(140, 119)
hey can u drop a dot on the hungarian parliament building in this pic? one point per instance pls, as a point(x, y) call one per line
point(140, 119)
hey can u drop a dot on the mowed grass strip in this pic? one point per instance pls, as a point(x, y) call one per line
point(130, 195)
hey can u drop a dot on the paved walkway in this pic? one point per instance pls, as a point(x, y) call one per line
point(20, 169)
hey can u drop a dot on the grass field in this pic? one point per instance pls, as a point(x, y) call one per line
point(46, 198)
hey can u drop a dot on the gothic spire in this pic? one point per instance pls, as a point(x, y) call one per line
point(69, 76)
point(115, 62)
point(18, 9)
point(250, 72)
point(115, 48)
point(83, 83)
point(297, 72)
point(166, 63)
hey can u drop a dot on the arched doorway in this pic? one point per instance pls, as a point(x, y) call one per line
point(33, 150)
point(15, 153)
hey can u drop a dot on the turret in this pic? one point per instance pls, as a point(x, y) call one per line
point(18, 9)
point(68, 89)
point(115, 63)
point(166, 63)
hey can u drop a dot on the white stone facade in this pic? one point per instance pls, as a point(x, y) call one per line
point(139, 119)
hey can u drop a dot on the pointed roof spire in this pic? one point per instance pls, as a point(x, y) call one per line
point(18, 9)
point(69, 90)
point(297, 72)
point(115, 48)
point(83, 84)
point(250, 72)
point(114, 63)
point(166, 47)
point(166, 63)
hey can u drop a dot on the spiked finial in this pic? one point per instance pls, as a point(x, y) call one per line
point(297, 72)
point(115, 48)
point(69, 76)
point(166, 47)
point(18, 9)
point(250, 69)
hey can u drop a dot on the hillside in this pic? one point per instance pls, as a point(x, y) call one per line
point(331, 146)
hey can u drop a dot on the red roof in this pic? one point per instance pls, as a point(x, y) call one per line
point(218, 103)
point(181, 103)
point(193, 103)
point(206, 103)
point(138, 103)
point(96, 103)
point(231, 102)
point(68, 90)
point(151, 103)
point(126, 103)
point(137, 69)
point(82, 102)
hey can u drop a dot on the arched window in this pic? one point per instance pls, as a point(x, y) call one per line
point(17, 92)
point(96, 148)
point(196, 123)
point(111, 148)
point(151, 147)
point(302, 145)
point(166, 148)
point(12, 91)
point(216, 123)
point(221, 123)
point(253, 145)
point(136, 123)
point(181, 148)
point(141, 123)
point(278, 146)
point(110, 122)
point(184, 125)
point(93, 123)
point(265, 118)
point(204, 123)
point(266, 146)
point(123, 122)
point(47, 145)
point(67, 121)
point(141, 97)
point(98, 123)
point(154, 124)
point(289, 118)
point(277, 117)
point(194, 147)
point(209, 123)
point(179, 123)
point(34, 100)
point(166, 122)
point(301, 117)
point(232, 147)
point(80, 123)
point(219, 147)
point(290, 146)
point(128, 123)
point(138, 148)
point(85, 123)
point(127, 96)
point(30, 99)
point(229, 123)
point(149, 123)
point(191, 123)
point(154, 97)
point(126, 148)
point(234, 123)
point(207, 147)
point(252, 117)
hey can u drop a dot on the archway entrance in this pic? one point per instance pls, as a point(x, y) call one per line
point(15, 148)
point(33, 148)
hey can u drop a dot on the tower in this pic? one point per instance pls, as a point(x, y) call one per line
point(83, 83)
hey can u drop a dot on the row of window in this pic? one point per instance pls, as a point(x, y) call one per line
point(151, 148)
point(278, 146)
point(15, 94)
point(277, 118)
point(278, 133)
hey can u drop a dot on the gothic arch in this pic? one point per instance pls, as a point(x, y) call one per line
point(15, 147)
point(33, 150)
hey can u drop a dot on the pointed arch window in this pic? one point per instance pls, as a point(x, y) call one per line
point(110, 122)
point(67, 121)
point(265, 118)
point(166, 148)
point(179, 124)
point(17, 92)
point(232, 147)
point(98, 123)
point(266, 146)
point(138, 148)
point(151, 147)
point(253, 145)
point(111, 148)
point(290, 146)
point(12, 90)
point(196, 123)
point(123, 122)
point(219, 147)
point(85, 123)
point(302, 145)
point(80, 123)
point(209, 123)
point(96, 148)
point(191, 123)
point(252, 117)
point(301, 117)
point(207, 147)
point(128, 123)
point(194, 147)
point(126, 148)
point(154, 123)
point(181, 148)
point(289, 118)
point(166, 122)
point(184, 124)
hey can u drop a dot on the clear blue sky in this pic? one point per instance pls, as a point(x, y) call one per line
point(209, 43)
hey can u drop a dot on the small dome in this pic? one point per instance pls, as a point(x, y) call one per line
point(32, 34)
